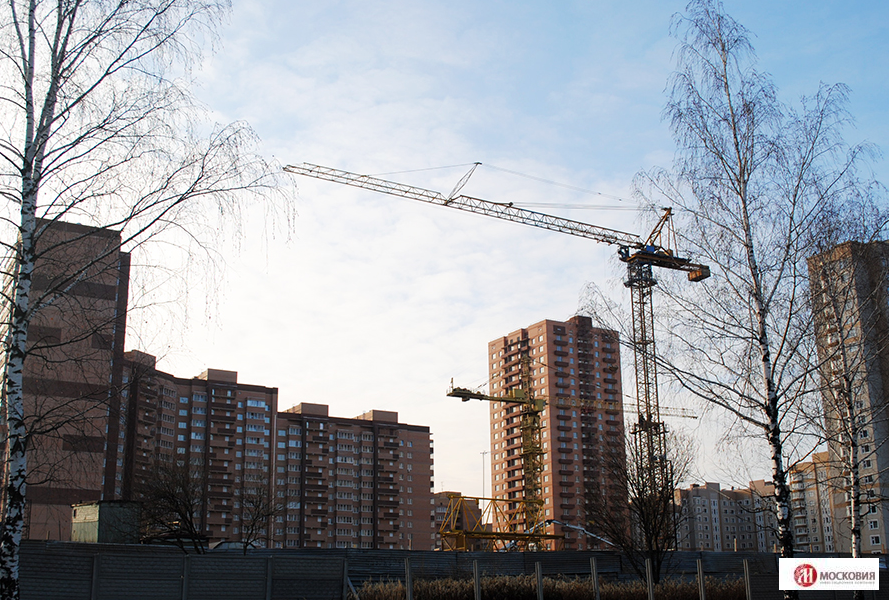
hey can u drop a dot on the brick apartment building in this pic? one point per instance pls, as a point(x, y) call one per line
point(577, 368)
point(349, 483)
point(75, 360)
point(364, 482)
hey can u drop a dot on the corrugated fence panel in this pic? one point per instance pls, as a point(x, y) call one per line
point(226, 577)
point(490, 563)
point(307, 577)
point(60, 576)
point(134, 577)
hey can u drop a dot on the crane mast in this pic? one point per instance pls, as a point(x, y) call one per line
point(640, 255)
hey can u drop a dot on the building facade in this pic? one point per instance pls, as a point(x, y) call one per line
point(576, 367)
point(812, 504)
point(363, 482)
point(719, 520)
point(72, 371)
point(366, 482)
point(851, 307)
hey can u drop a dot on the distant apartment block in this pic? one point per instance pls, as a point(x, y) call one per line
point(810, 499)
point(364, 482)
point(723, 520)
point(577, 368)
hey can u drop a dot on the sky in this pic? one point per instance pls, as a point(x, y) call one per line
point(376, 302)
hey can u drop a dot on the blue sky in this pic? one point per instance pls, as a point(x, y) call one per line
point(377, 302)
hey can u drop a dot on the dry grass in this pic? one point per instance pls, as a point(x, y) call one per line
point(524, 587)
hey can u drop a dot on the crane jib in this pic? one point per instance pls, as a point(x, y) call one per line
point(504, 211)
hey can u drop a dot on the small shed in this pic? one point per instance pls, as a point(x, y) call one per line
point(106, 522)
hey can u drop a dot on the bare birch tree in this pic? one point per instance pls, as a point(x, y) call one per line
point(98, 127)
point(750, 181)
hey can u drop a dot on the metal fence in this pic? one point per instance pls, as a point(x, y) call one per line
point(72, 571)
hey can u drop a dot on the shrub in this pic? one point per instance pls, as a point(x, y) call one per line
point(524, 587)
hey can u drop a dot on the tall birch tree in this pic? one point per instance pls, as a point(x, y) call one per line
point(751, 179)
point(98, 127)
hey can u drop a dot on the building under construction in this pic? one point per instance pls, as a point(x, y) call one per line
point(576, 369)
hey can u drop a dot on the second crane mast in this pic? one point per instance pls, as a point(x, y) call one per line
point(639, 254)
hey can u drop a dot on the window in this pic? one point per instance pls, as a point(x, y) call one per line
point(874, 540)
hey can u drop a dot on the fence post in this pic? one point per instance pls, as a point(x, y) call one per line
point(269, 572)
point(94, 584)
point(185, 568)
point(702, 589)
point(649, 576)
point(747, 586)
point(345, 579)
point(476, 580)
point(539, 570)
point(595, 571)
point(408, 581)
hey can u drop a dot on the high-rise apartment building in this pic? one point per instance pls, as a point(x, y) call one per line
point(576, 367)
point(211, 424)
point(850, 300)
point(73, 370)
point(363, 482)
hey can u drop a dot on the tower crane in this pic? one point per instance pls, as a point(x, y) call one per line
point(531, 507)
point(639, 254)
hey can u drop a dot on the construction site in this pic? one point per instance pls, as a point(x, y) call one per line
point(520, 519)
